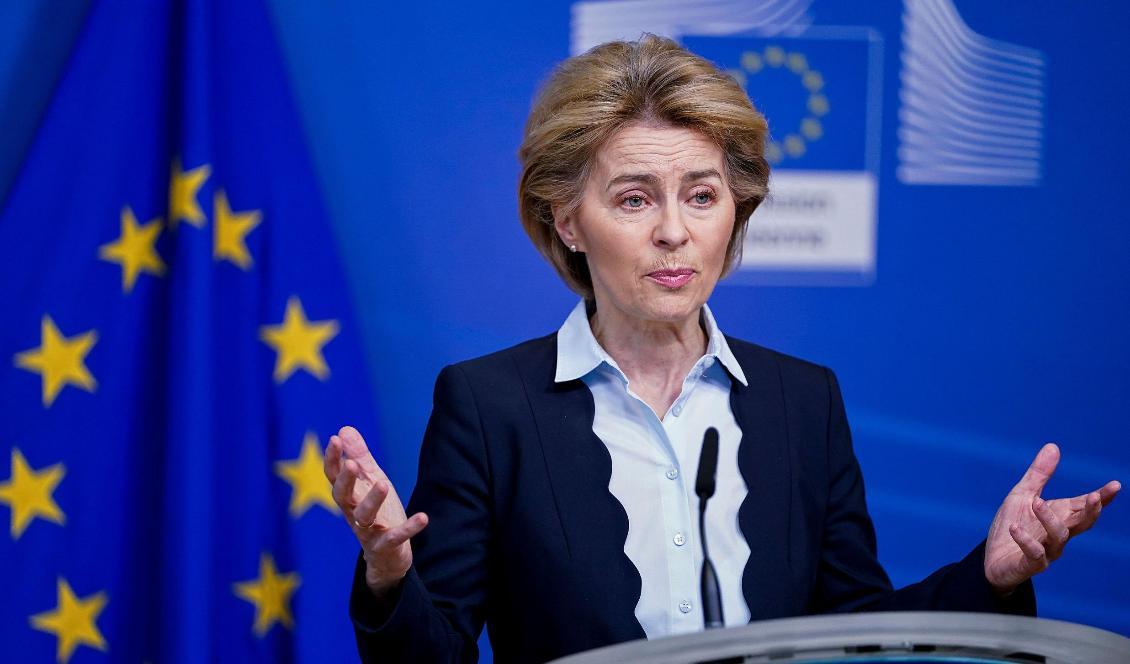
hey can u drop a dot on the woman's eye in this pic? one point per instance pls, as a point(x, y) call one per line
point(703, 198)
point(634, 201)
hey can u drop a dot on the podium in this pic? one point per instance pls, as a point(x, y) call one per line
point(879, 638)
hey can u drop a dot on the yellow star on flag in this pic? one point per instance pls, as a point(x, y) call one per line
point(299, 342)
point(73, 621)
point(29, 493)
point(270, 594)
point(134, 250)
point(230, 231)
point(307, 480)
point(183, 189)
point(59, 360)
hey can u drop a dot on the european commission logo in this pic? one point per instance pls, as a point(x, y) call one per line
point(972, 108)
point(821, 95)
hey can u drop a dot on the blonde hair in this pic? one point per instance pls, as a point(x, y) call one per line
point(590, 97)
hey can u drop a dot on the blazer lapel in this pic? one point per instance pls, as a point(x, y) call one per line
point(595, 523)
point(764, 462)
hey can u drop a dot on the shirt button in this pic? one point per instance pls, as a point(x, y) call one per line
point(709, 362)
point(672, 473)
point(679, 539)
point(677, 410)
point(685, 607)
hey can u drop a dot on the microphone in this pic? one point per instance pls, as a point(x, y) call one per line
point(707, 465)
point(704, 487)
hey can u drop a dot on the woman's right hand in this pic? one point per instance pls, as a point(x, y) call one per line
point(373, 510)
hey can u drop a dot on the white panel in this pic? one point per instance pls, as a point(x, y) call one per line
point(814, 220)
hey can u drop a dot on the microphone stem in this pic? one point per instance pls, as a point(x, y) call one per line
point(711, 593)
point(702, 527)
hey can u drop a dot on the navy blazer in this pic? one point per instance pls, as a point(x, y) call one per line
point(525, 536)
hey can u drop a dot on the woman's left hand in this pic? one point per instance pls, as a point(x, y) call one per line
point(1028, 532)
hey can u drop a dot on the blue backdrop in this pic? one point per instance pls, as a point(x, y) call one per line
point(992, 317)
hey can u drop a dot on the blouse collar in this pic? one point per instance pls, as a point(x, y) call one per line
point(579, 353)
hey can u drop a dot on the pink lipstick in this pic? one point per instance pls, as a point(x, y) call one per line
point(672, 278)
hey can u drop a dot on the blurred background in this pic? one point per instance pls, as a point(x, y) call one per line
point(948, 233)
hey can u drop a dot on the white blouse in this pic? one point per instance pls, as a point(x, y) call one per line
point(654, 465)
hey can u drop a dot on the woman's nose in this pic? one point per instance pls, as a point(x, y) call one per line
point(671, 231)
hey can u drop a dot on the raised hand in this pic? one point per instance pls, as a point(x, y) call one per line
point(373, 510)
point(1028, 532)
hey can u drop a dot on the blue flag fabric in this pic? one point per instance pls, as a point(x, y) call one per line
point(177, 347)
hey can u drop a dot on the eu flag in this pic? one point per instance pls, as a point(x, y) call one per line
point(177, 345)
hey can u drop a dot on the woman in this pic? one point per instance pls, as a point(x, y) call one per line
point(555, 475)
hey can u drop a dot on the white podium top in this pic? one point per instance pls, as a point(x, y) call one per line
point(905, 637)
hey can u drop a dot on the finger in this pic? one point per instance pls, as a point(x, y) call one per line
point(1076, 504)
point(1058, 534)
point(331, 465)
point(1088, 514)
point(1109, 491)
point(1041, 469)
point(356, 449)
point(1079, 513)
point(343, 487)
point(366, 512)
point(1032, 550)
point(407, 530)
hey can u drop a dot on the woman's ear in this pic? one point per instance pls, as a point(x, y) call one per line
point(566, 227)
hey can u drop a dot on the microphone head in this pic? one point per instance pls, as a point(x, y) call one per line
point(707, 464)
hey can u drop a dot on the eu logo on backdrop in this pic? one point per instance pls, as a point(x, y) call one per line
point(820, 94)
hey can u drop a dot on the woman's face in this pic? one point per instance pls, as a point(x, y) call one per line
point(654, 222)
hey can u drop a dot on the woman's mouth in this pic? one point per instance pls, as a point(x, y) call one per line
point(672, 278)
